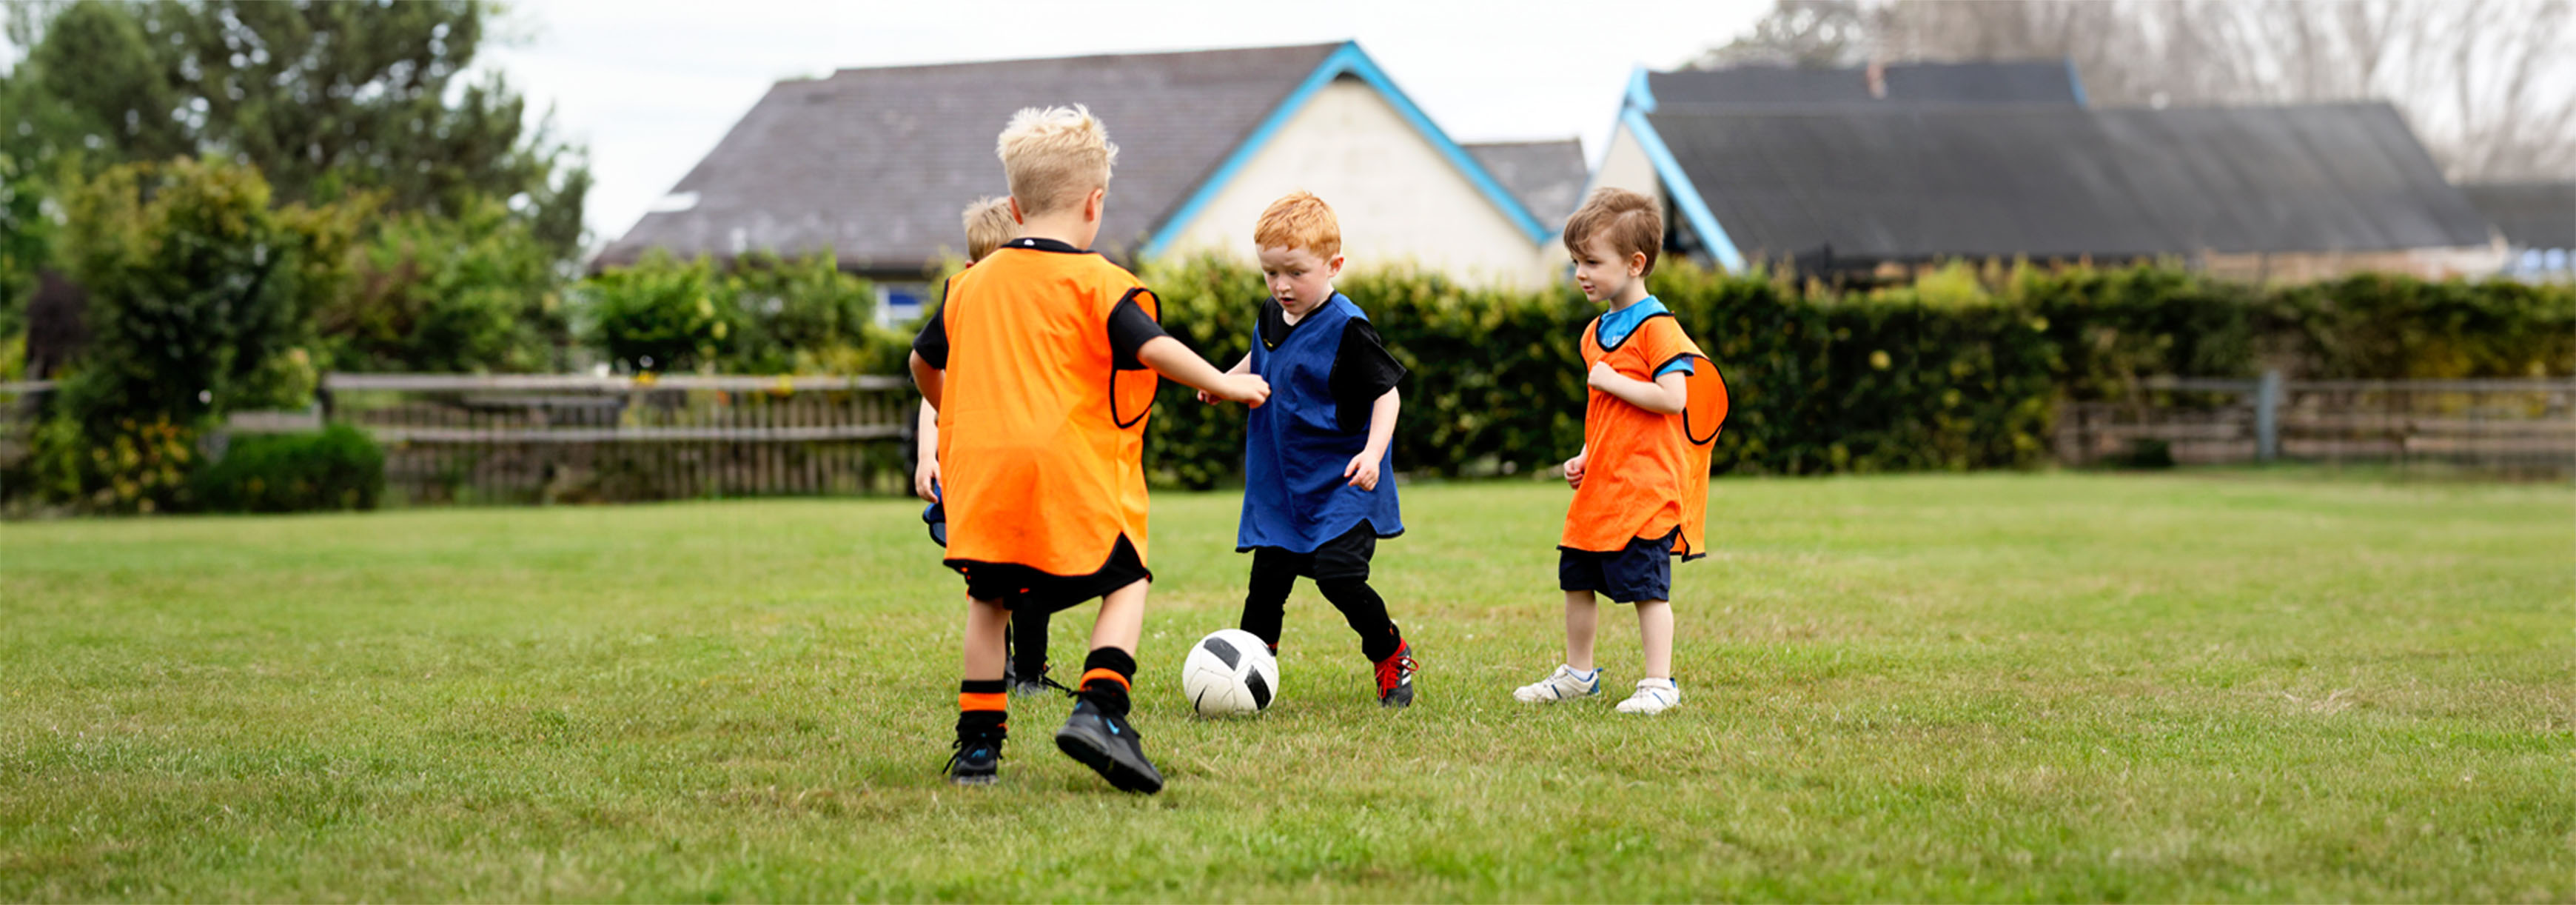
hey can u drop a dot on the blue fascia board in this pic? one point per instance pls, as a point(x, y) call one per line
point(1347, 59)
point(1641, 95)
point(1685, 195)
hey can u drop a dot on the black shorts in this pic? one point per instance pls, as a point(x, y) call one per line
point(1641, 571)
point(1019, 587)
point(1346, 556)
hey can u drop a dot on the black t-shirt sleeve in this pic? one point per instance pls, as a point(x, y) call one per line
point(1362, 371)
point(932, 342)
point(1130, 328)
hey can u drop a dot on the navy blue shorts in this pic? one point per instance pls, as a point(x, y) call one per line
point(1641, 571)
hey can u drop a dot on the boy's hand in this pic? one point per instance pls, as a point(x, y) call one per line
point(1362, 471)
point(1574, 470)
point(1601, 375)
point(1249, 389)
point(1209, 398)
point(925, 480)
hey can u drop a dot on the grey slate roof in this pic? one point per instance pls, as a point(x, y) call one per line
point(1913, 183)
point(1547, 176)
point(878, 163)
point(2531, 214)
point(2019, 82)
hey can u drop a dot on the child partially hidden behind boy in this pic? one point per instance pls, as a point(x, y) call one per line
point(988, 224)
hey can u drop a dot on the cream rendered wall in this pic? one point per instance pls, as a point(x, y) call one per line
point(1625, 166)
point(1397, 198)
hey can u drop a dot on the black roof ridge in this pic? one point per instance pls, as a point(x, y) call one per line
point(2017, 61)
point(964, 64)
point(1910, 108)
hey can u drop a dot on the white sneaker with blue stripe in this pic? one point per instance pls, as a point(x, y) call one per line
point(1565, 684)
point(1653, 696)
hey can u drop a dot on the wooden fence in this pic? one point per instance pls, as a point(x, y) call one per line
point(2513, 427)
point(575, 438)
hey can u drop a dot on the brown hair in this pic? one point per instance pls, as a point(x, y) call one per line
point(1630, 220)
point(1299, 220)
point(988, 225)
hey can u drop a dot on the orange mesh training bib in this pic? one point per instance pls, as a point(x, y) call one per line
point(1703, 415)
point(1041, 439)
point(1636, 460)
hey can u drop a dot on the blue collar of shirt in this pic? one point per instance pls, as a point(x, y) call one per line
point(1616, 325)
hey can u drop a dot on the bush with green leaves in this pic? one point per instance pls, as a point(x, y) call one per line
point(798, 315)
point(26, 243)
point(763, 315)
point(479, 292)
point(337, 468)
point(195, 283)
point(1961, 369)
point(200, 302)
point(2382, 327)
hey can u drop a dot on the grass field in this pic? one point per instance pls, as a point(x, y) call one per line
point(2235, 686)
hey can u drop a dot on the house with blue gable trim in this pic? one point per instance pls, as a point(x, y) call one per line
point(1874, 173)
point(876, 164)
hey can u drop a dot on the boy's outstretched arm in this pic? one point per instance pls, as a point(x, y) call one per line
point(1241, 366)
point(1168, 357)
point(1668, 395)
point(1363, 468)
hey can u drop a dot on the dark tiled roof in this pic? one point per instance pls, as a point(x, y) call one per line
point(1547, 176)
point(2531, 214)
point(1914, 183)
point(2030, 82)
point(878, 163)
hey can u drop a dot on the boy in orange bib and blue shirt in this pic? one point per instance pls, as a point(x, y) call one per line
point(1641, 481)
point(1041, 363)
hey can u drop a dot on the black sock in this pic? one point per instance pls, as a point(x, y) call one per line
point(1029, 636)
point(1108, 693)
point(975, 720)
point(1366, 613)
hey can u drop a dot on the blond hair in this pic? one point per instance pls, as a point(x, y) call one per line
point(988, 225)
point(1630, 221)
point(1055, 156)
point(1299, 220)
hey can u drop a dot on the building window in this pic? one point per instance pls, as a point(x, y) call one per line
point(901, 303)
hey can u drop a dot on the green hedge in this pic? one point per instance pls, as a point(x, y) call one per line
point(337, 468)
point(1960, 370)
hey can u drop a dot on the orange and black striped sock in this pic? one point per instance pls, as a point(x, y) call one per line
point(1107, 676)
point(982, 709)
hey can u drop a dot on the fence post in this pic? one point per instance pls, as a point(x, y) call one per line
point(2267, 416)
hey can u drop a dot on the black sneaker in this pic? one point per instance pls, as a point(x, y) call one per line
point(1030, 686)
point(978, 761)
point(1109, 746)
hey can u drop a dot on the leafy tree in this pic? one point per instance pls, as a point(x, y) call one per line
point(327, 99)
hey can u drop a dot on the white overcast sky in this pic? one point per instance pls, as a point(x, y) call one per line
point(651, 85)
